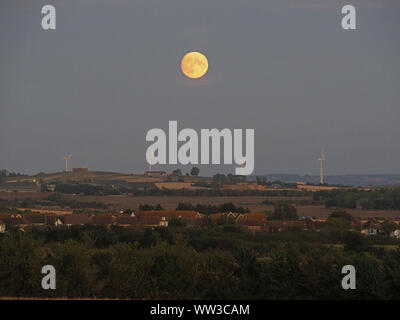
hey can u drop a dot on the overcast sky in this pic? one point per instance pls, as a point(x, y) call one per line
point(111, 71)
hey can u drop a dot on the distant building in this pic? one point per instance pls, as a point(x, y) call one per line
point(2, 227)
point(252, 221)
point(163, 222)
point(73, 219)
point(229, 216)
point(35, 219)
point(126, 221)
point(151, 221)
point(23, 186)
point(395, 234)
point(191, 217)
point(156, 173)
point(14, 220)
point(372, 228)
point(80, 170)
point(162, 217)
point(105, 220)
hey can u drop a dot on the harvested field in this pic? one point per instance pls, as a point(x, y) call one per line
point(321, 212)
point(254, 203)
point(24, 195)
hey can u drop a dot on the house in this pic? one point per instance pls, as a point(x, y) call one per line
point(72, 219)
point(233, 215)
point(191, 217)
point(2, 227)
point(372, 227)
point(395, 234)
point(223, 217)
point(153, 221)
point(58, 221)
point(275, 226)
point(35, 219)
point(163, 222)
point(252, 221)
point(161, 217)
point(155, 213)
point(126, 221)
point(216, 216)
point(252, 225)
point(15, 220)
point(104, 220)
point(252, 216)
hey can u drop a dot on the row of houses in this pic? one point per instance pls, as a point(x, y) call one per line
point(258, 222)
point(254, 222)
point(149, 218)
point(143, 219)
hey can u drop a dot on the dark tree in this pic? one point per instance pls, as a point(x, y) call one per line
point(195, 171)
point(285, 211)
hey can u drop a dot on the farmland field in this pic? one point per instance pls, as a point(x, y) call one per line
point(254, 203)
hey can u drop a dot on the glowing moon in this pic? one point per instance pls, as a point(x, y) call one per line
point(194, 65)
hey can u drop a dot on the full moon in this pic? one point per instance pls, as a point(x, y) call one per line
point(194, 65)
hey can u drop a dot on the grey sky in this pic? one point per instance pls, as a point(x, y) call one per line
point(110, 72)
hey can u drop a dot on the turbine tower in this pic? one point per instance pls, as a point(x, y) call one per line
point(67, 158)
point(149, 161)
point(321, 167)
point(241, 164)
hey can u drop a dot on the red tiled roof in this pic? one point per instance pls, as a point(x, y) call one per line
point(251, 222)
point(126, 220)
point(35, 218)
point(75, 218)
point(102, 220)
point(187, 214)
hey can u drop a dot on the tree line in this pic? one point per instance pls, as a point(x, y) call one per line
point(206, 262)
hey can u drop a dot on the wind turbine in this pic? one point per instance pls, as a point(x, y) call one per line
point(241, 164)
point(67, 158)
point(321, 167)
point(150, 160)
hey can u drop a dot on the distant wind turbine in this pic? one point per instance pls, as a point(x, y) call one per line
point(150, 160)
point(321, 167)
point(67, 158)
